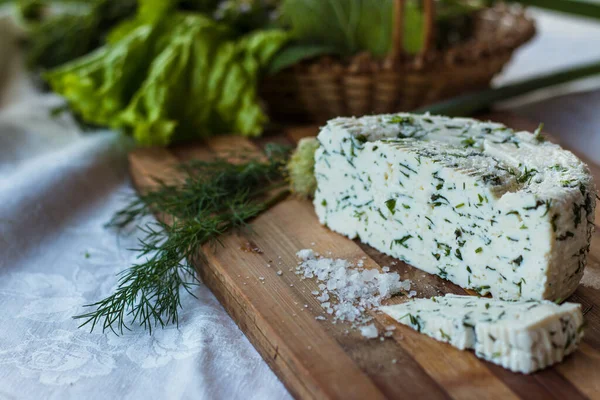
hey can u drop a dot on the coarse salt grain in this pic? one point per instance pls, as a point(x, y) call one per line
point(369, 331)
point(356, 290)
point(305, 254)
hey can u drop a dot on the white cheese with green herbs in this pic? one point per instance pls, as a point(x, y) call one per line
point(481, 205)
point(522, 336)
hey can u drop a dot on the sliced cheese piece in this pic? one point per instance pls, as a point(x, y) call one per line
point(490, 209)
point(522, 336)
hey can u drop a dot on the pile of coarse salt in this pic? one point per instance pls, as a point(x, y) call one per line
point(353, 290)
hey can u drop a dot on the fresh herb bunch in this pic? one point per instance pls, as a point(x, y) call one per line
point(216, 196)
point(247, 15)
point(353, 26)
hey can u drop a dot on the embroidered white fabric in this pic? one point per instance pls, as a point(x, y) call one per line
point(57, 189)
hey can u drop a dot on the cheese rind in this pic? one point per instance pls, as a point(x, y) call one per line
point(490, 209)
point(522, 336)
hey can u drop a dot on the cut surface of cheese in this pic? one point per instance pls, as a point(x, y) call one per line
point(481, 205)
point(522, 336)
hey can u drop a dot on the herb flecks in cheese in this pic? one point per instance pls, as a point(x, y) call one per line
point(523, 336)
point(490, 209)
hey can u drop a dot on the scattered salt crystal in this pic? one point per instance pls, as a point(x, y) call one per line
point(280, 272)
point(291, 285)
point(262, 278)
point(315, 292)
point(412, 293)
point(388, 334)
point(390, 328)
point(394, 361)
point(369, 331)
point(305, 254)
point(323, 297)
point(320, 318)
point(306, 306)
point(309, 347)
point(360, 263)
point(381, 339)
point(385, 269)
point(268, 265)
point(355, 290)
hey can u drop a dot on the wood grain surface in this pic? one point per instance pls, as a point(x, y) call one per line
point(320, 359)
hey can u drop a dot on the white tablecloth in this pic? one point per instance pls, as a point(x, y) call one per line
point(57, 189)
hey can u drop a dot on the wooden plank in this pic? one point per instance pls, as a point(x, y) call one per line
point(319, 359)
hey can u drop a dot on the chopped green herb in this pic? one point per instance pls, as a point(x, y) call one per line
point(458, 254)
point(361, 139)
point(518, 260)
point(445, 335)
point(403, 240)
point(469, 142)
point(538, 134)
point(391, 205)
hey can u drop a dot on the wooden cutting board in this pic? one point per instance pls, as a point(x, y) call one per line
point(319, 359)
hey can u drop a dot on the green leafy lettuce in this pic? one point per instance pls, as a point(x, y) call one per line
point(183, 76)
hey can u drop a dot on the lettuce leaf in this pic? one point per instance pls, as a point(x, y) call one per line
point(182, 77)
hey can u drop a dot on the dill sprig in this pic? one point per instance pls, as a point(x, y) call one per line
point(215, 197)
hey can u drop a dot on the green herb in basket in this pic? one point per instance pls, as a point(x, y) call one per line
point(353, 26)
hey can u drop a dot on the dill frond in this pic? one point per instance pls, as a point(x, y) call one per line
point(215, 197)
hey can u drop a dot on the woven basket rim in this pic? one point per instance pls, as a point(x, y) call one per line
point(510, 25)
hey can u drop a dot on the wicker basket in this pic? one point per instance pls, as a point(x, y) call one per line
point(326, 88)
